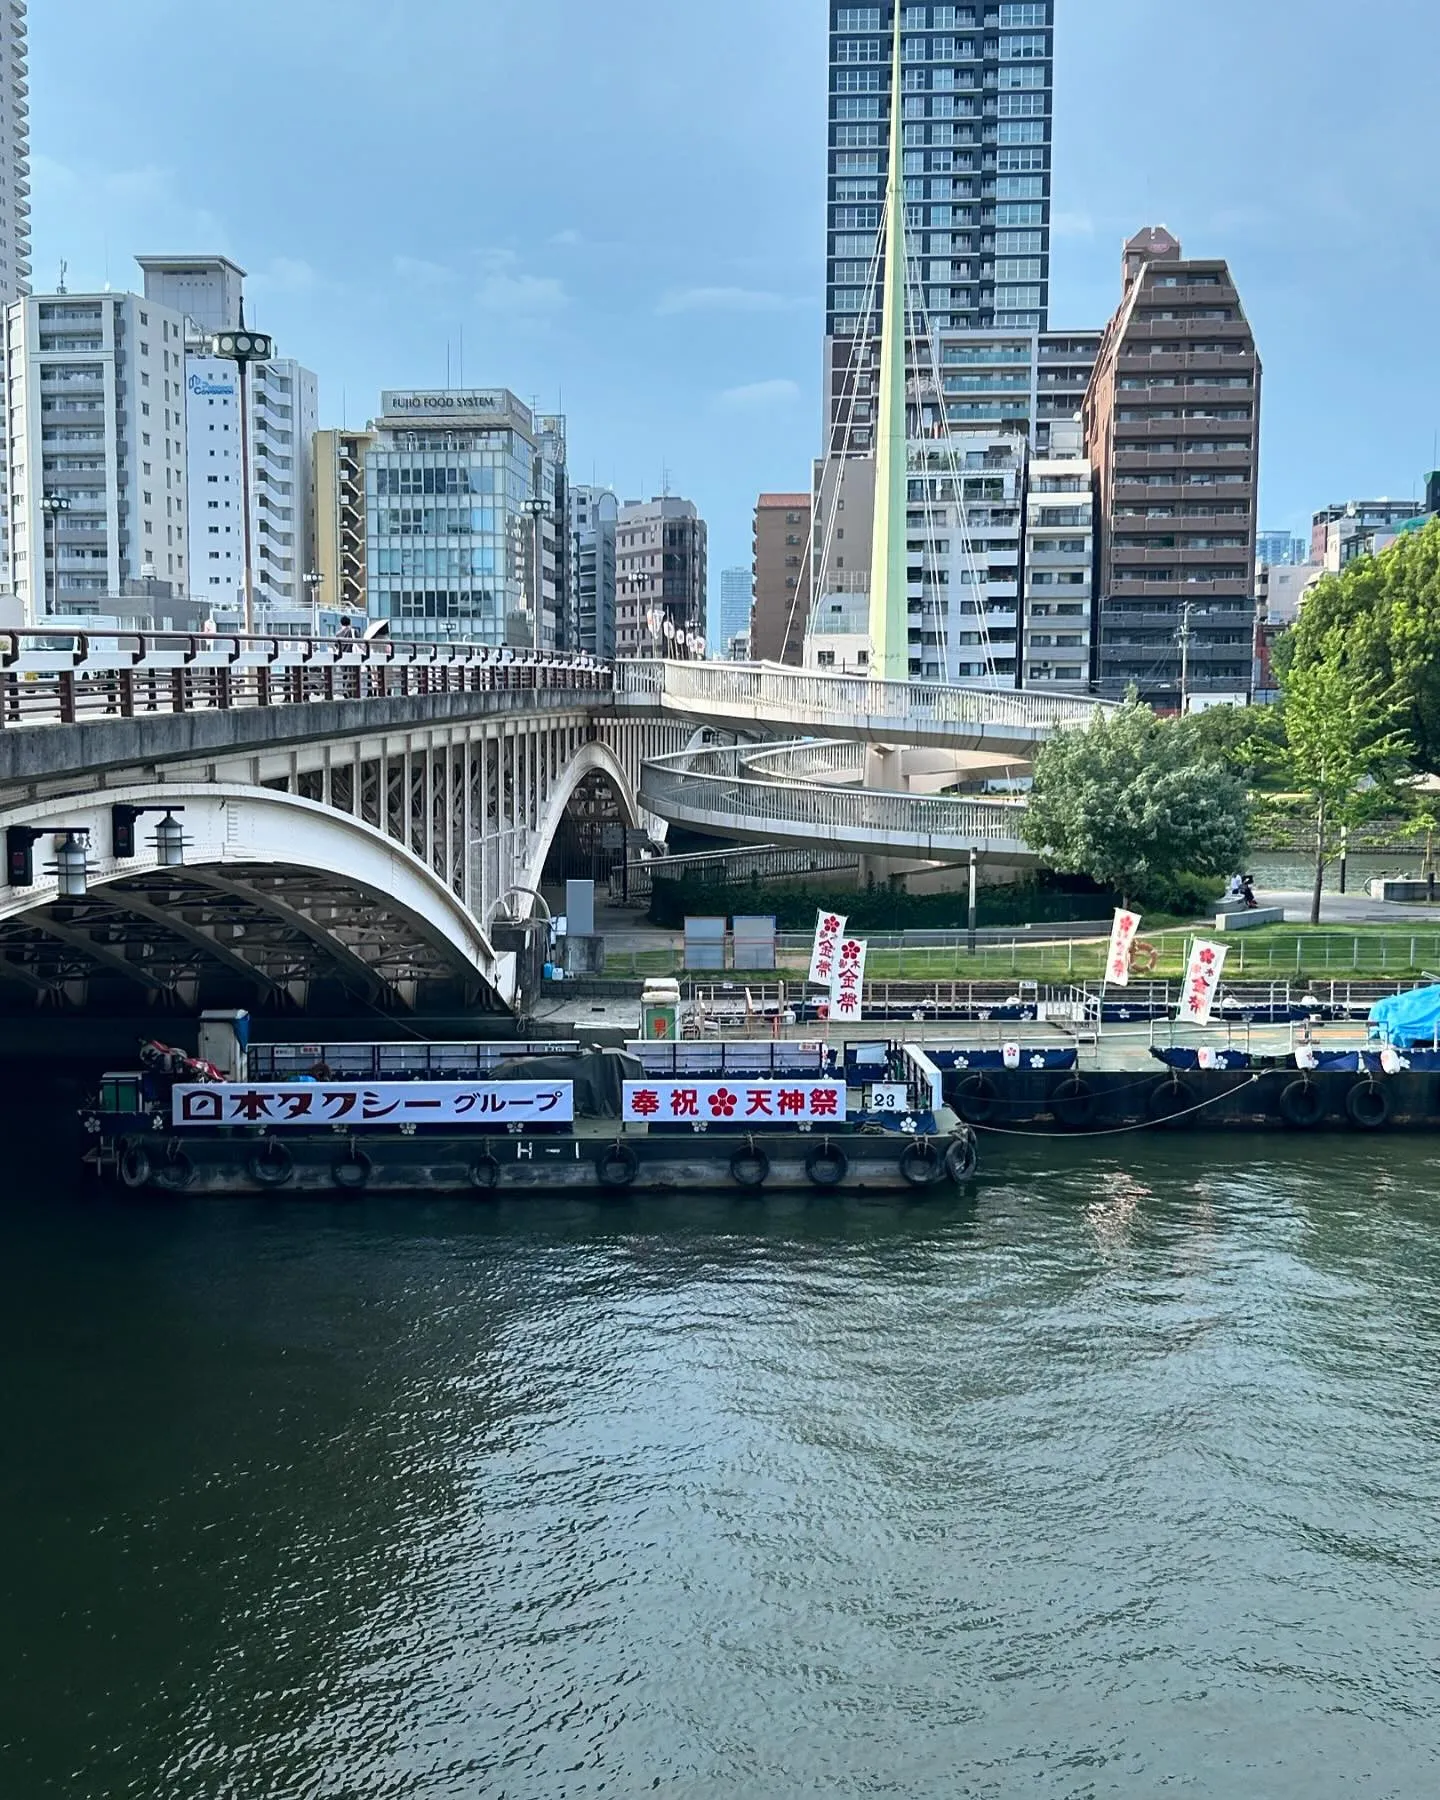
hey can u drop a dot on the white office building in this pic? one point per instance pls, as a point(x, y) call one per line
point(95, 389)
point(284, 409)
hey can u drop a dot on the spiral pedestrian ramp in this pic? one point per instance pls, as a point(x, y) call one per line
point(763, 698)
point(811, 792)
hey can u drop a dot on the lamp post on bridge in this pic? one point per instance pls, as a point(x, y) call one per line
point(53, 505)
point(243, 347)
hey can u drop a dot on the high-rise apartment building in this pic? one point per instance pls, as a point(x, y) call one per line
point(594, 512)
point(284, 404)
point(1172, 428)
point(1059, 561)
point(781, 610)
point(96, 415)
point(14, 154)
point(660, 574)
point(977, 86)
point(737, 597)
point(548, 543)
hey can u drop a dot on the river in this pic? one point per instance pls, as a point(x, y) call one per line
point(1118, 1478)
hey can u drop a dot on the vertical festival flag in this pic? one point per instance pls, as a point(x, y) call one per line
point(1122, 942)
point(829, 930)
point(847, 992)
point(1202, 983)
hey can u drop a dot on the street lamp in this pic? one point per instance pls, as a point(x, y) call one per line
point(243, 347)
point(535, 510)
point(314, 581)
point(53, 505)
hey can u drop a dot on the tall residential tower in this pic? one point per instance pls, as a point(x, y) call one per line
point(976, 89)
point(14, 154)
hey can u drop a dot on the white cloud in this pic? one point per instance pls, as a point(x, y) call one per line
point(724, 299)
point(503, 292)
point(568, 238)
point(287, 275)
point(420, 273)
point(1072, 225)
point(758, 396)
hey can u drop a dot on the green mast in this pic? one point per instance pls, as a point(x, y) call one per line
point(889, 609)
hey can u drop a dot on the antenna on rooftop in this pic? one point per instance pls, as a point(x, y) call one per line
point(64, 270)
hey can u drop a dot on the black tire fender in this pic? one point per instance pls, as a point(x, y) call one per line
point(1072, 1104)
point(976, 1098)
point(352, 1170)
point(176, 1172)
point(921, 1164)
point(1302, 1105)
point(617, 1166)
point(484, 1173)
point(827, 1166)
point(133, 1166)
point(272, 1165)
point(1367, 1106)
point(750, 1168)
point(962, 1159)
point(1168, 1099)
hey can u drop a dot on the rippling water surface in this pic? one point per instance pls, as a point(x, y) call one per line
point(1114, 1479)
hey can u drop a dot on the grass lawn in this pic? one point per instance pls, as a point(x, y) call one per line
point(1271, 953)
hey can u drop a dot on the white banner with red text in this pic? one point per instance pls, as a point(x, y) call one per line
point(355, 1103)
point(1122, 942)
point(847, 985)
point(829, 931)
point(1202, 983)
point(735, 1102)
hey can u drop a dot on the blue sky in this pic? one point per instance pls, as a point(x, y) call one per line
point(619, 208)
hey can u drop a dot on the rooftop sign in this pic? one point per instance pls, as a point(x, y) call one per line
point(451, 406)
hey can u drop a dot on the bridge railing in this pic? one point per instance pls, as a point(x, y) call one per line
point(760, 690)
point(720, 786)
point(62, 677)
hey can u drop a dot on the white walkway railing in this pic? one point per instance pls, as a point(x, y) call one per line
point(907, 712)
point(797, 792)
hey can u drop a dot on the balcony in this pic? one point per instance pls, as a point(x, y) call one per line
point(1182, 591)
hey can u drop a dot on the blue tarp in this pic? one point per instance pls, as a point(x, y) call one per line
point(1407, 1019)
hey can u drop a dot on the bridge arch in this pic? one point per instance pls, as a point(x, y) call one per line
point(593, 762)
point(274, 889)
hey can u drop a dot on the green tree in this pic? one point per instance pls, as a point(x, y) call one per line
point(1388, 608)
point(1127, 801)
point(1346, 749)
point(1230, 735)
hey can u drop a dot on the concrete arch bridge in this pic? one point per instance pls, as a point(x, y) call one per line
point(354, 816)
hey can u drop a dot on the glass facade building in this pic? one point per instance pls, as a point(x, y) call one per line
point(450, 517)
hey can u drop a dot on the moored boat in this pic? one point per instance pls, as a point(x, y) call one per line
point(766, 1117)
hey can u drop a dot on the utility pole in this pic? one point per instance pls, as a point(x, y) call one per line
point(1186, 612)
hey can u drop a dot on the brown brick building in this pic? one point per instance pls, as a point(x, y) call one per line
point(1172, 430)
point(782, 578)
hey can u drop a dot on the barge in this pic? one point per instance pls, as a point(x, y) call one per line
point(503, 1120)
